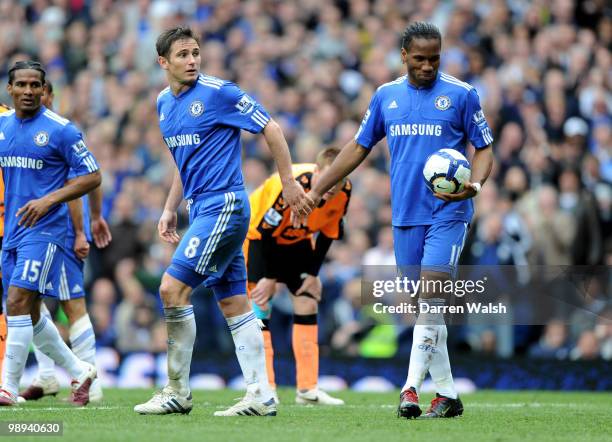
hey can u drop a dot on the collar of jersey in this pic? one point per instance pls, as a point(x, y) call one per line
point(35, 116)
point(185, 92)
point(411, 86)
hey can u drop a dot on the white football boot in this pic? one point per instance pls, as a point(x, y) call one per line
point(315, 396)
point(40, 387)
point(250, 405)
point(95, 391)
point(166, 401)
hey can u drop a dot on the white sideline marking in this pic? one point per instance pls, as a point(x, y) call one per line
point(474, 405)
point(530, 404)
point(69, 409)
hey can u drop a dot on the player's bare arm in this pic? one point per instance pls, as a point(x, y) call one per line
point(351, 156)
point(99, 227)
point(168, 221)
point(81, 245)
point(293, 193)
point(481, 168)
point(34, 210)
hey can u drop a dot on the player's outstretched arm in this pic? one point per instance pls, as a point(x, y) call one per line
point(351, 156)
point(168, 221)
point(482, 163)
point(293, 192)
point(99, 228)
point(34, 210)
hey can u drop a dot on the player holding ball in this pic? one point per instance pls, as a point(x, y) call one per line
point(421, 113)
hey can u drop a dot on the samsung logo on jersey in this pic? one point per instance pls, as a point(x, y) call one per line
point(182, 140)
point(22, 162)
point(397, 130)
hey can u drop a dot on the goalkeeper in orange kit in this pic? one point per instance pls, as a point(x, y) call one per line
point(279, 252)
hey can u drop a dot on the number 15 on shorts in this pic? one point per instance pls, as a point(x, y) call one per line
point(31, 270)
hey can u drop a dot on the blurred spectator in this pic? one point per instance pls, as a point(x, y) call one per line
point(553, 230)
point(587, 347)
point(541, 69)
point(554, 342)
point(603, 331)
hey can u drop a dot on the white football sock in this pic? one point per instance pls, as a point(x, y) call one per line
point(18, 339)
point(181, 326)
point(83, 339)
point(49, 341)
point(440, 368)
point(249, 343)
point(46, 366)
point(424, 342)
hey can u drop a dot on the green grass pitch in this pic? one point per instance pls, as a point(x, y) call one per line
point(489, 416)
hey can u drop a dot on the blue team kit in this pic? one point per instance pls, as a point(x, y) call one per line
point(201, 127)
point(70, 283)
point(417, 122)
point(36, 155)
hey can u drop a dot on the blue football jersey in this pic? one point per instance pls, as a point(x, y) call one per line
point(35, 155)
point(417, 122)
point(201, 127)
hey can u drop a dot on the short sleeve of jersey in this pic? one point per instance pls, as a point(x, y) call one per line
point(475, 123)
point(236, 108)
point(372, 128)
point(333, 229)
point(75, 152)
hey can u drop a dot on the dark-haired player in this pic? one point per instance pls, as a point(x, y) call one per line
point(200, 118)
point(419, 113)
point(37, 150)
point(69, 287)
point(279, 252)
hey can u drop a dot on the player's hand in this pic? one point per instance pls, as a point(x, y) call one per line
point(301, 220)
point(33, 211)
point(469, 191)
point(101, 233)
point(294, 195)
point(81, 245)
point(263, 291)
point(312, 285)
point(167, 227)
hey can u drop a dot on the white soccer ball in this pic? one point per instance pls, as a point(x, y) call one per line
point(446, 171)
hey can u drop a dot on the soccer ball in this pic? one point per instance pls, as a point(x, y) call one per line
point(446, 171)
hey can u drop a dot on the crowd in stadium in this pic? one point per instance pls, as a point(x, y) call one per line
point(542, 70)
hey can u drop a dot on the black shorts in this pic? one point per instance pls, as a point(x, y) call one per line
point(289, 264)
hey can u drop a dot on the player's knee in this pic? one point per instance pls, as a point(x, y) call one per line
point(174, 293)
point(234, 305)
point(303, 305)
point(171, 294)
point(19, 301)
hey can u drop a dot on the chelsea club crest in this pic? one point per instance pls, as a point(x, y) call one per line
point(442, 102)
point(41, 138)
point(196, 108)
